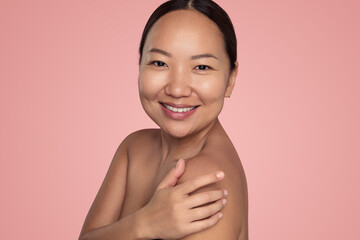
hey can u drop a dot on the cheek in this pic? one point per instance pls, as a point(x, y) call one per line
point(149, 84)
point(212, 89)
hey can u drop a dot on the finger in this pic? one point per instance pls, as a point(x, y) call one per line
point(172, 177)
point(180, 168)
point(205, 197)
point(198, 182)
point(206, 223)
point(207, 211)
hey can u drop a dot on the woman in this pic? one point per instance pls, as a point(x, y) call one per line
point(187, 67)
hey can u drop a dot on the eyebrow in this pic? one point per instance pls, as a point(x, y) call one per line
point(205, 55)
point(156, 50)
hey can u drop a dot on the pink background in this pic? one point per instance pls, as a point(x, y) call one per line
point(68, 96)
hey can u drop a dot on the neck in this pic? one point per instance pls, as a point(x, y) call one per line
point(175, 148)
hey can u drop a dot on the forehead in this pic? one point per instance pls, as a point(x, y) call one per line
point(185, 29)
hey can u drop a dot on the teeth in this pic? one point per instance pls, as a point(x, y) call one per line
point(180, 110)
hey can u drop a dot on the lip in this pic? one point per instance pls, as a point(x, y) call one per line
point(178, 115)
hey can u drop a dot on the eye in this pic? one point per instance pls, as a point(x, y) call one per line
point(158, 63)
point(202, 67)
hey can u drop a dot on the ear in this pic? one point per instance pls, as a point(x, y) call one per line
point(231, 82)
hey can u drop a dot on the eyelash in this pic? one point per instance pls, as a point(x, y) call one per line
point(157, 63)
point(206, 67)
point(162, 64)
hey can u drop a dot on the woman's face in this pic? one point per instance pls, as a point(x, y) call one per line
point(184, 73)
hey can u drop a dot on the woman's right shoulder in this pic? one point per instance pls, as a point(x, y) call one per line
point(141, 136)
point(140, 139)
point(109, 200)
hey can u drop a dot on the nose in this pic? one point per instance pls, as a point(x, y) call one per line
point(178, 84)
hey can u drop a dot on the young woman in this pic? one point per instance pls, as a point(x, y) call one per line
point(187, 67)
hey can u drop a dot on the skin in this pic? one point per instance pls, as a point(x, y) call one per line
point(182, 63)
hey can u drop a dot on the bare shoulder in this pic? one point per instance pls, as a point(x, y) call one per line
point(140, 146)
point(217, 156)
point(141, 138)
point(107, 205)
point(129, 144)
point(222, 157)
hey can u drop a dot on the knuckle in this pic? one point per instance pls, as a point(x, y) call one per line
point(197, 213)
point(208, 223)
point(207, 211)
point(216, 208)
point(214, 220)
point(206, 197)
point(221, 193)
point(220, 204)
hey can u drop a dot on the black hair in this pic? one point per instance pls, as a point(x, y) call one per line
point(207, 7)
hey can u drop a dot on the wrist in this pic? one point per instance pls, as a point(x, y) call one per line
point(141, 228)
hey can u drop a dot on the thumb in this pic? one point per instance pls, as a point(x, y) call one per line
point(171, 179)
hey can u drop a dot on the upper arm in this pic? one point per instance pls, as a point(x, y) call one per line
point(235, 212)
point(108, 202)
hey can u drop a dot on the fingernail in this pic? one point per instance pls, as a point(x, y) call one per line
point(220, 215)
point(225, 192)
point(220, 175)
point(177, 164)
point(223, 202)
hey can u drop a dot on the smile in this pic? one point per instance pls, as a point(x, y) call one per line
point(179, 110)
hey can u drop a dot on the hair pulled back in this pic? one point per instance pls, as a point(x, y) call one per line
point(207, 7)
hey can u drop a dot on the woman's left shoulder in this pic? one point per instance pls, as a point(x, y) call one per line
point(217, 154)
point(210, 161)
point(219, 158)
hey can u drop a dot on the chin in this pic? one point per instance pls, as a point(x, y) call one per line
point(177, 132)
point(182, 130)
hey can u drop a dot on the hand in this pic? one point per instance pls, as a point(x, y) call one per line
point(172, 213)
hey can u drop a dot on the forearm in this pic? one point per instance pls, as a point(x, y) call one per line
point(128, 228)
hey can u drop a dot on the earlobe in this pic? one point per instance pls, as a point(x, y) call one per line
point(232, 79)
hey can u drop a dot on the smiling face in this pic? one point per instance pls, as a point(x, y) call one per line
point(184, 73)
